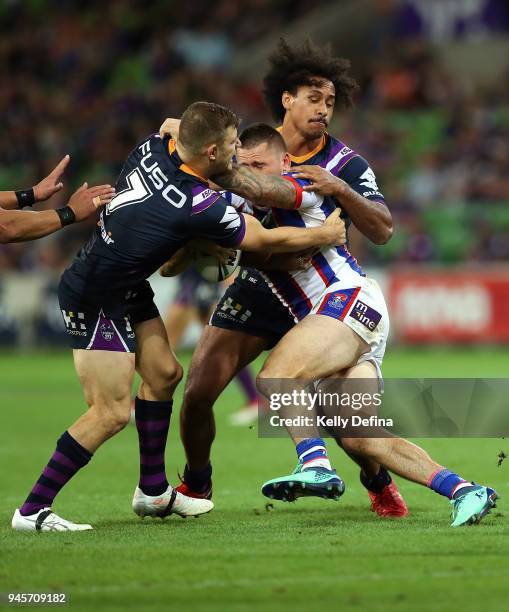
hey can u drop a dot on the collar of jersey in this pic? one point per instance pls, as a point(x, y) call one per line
point(172, 150)
point(300, 159)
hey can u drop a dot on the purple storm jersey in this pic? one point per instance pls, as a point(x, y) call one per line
point(160, 205)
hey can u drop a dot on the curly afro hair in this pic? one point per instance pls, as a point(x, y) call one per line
point(291, 68)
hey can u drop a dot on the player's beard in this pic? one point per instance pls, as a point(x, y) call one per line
point(227, 165)
point(219, 166)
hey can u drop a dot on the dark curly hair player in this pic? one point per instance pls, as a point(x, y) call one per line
point(291, 68)
point(302, 86)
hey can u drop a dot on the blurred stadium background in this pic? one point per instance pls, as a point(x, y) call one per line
point(432, 117)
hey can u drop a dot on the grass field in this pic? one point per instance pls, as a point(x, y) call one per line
point(337, 556)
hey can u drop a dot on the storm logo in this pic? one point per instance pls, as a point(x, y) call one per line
point(231, 218)
point(107, 332)
point(369, 180)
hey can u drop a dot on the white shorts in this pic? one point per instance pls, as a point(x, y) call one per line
point(363, 309)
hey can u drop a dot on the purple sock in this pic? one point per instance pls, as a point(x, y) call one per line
point(247, 382)
point(445, 482)
point(68, 458)
point(152, 423)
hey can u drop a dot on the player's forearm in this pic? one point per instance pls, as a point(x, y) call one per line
point(8, 200)
point(372, 219)
point(291, 239)
point(260, 189)
point(180, 261)
point(23, 225)
point(279, 262)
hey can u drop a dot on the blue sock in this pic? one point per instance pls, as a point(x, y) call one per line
point(312, 453)
point(445, 482)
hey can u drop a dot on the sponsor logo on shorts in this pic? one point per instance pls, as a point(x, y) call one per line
point(337, 300)
point(107, 331)
point(74, 320)
point(250, 279)
point(366, 315)
point(232, 311)
point(334, 303)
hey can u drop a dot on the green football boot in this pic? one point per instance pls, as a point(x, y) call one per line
point(472, 507)
point(312, 482)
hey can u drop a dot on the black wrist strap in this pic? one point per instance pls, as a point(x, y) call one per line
point(26, 197)
point(66, 215)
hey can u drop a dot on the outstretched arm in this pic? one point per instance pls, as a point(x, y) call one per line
point(8, 200)
point(44, 189)
point(282, 262)
point(291, 239)
point(25, 225)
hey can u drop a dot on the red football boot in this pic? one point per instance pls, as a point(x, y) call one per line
point(185, 490)
point(388, 503)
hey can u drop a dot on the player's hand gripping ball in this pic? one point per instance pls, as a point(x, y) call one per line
point(216, 268)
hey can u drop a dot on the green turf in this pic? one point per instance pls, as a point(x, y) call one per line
point(338, 556)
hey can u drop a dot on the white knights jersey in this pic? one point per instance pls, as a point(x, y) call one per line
point(300, 290)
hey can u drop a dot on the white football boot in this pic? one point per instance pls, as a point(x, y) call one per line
point(170, 502)
point(45, 520)
point(246, 415)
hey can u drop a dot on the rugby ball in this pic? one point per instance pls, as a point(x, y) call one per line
point(213, 270)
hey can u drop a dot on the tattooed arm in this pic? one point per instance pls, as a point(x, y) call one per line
point(260, 189)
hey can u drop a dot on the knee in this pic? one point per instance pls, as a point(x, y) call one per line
point(275, 376)
point(114, 417)
point(263, 383)
point(163, 380)
point(172, 375)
